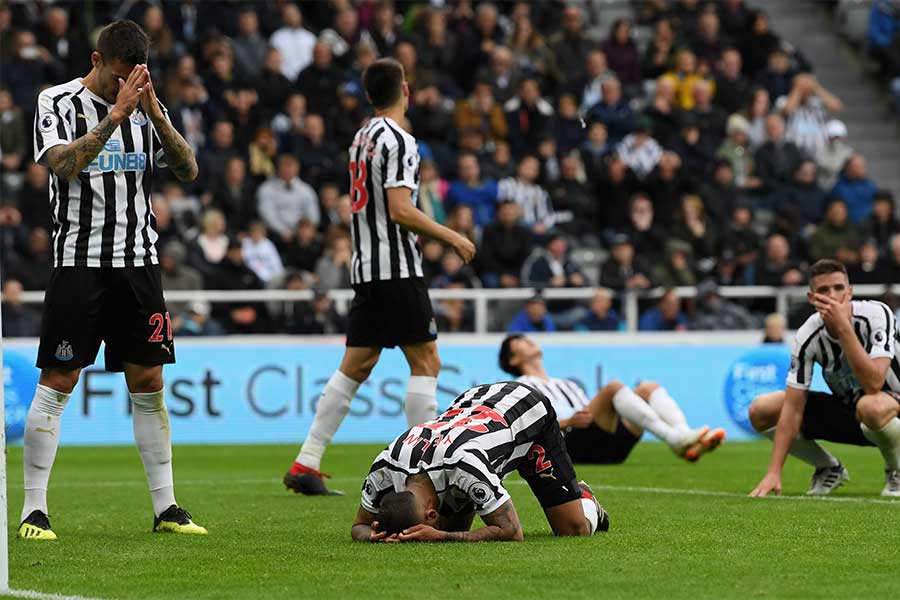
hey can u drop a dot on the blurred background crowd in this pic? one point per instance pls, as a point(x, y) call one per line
point(684, 143)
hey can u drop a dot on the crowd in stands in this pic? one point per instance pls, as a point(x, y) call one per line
point(884, 44)
point(691, 145)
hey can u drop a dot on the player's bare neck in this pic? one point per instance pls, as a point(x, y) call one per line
point(90, 82)
point(535, 368)
point(394, 113)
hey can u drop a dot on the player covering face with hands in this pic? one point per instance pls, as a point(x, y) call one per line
point(431, 481)
point(855, 343)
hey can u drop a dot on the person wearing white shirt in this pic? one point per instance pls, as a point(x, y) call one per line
point(285, 199)
point(260, 254)
point(294, 42)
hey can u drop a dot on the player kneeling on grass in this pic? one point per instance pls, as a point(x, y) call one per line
point(855, 342)
point(429, 483)
point(605, 429)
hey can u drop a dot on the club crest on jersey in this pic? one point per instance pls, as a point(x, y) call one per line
point(64, 352)
point(48, 122)
point(139, 117)
point(432, 327)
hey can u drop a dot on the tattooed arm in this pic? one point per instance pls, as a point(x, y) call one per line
point(502, 525)
point(179, 156)
point(69, 160)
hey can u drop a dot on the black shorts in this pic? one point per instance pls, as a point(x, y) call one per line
point(833, 419)
point(123, 307)
point(594, 445)
point(396, 312)
point(547, 467)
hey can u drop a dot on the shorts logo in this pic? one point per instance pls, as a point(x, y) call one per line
point(64, 352)
point(48, 122)
point(432, 327)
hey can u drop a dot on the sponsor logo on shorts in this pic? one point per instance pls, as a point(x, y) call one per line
point(64, 352)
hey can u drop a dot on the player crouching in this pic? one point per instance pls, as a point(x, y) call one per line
point(605, 429)
point(429, 483)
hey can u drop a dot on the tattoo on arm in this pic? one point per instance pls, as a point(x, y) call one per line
point(502, 524)
point(69, 160)
point(179, 155)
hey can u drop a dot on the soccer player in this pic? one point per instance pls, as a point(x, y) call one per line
point(603, 430)
point(855, 343)
point(429, 483)
point(102, 135)
point(391, 306)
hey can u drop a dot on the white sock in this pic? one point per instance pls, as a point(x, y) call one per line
point(333, 406)
point(421, 399)
point(152, 435)
point(809, 451)
point(888, 441)
point(590, 513)
point(41, 441)
point(665, 406)
point(632, 407)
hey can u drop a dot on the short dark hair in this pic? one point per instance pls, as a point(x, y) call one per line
point(506, 355)
point(826, 266)
point(397, 512)
point(382, 81)
point(124, 40)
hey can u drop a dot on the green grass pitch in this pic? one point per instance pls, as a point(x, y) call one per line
point(267, 543)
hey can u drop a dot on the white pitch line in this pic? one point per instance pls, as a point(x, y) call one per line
point(40, 595)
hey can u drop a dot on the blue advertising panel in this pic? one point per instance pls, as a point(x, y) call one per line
point(252, 393)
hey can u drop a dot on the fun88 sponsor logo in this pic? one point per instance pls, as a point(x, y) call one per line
point(113, 159)
point(759, 371)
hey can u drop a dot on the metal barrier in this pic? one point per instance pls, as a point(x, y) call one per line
point(481, 298)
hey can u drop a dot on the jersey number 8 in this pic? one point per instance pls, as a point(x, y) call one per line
point(359, 197)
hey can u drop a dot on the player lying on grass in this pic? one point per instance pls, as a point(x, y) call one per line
point(429, 483)
point(855, 342)
point(605, 429)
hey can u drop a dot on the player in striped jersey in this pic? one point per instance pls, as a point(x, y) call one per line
point(391, 306)
point(603, 430)
point(101, 135)
point(429, 483)
point(857, 345)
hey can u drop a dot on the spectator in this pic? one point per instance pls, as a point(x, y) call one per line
point(710, 117)
point(384, 28)
point(293, 42)
point(777, 158)
point(480, 111)
point(454, 273)
point(685, 77)
point(285, 199)
point(12, 236)
point(197, 321)
point(758, 43)
point(234, 194)
point(233, 274)
point(553, 267)
point(260, 254)
point(437, 47)
point(566, 126)
point(533, 317)
point(774, 329)
point(778, 76)
point(319, 81)
point(665, 316)
point(273, 87)
point(27, 68)
point(13, 134)
point(452, 316)
point(210, 247)
point(881, 225)
point(536, 211)
point(677, 268)
point(803, 193)
point(623, 270)
point(470, 190)
point(176, 275)
point(289, 124)
point(697, 229)
point(713, 312)
point(665, 115)
point(837, 237)
point(531, 53)
point(855, 189)
point(806, 109)
point(589, 90)
point(647, 236)
point(33, 267)
point(602, 316)
point(505, 244)
point(501, 73)
point(623, 55)
point(575, 201)
point(68, 47)
point(736, 151)
point(720, 194)
point(740, 248)
point(777, 268)
point(571, 45)
point(757, 111)
point(347, 117)
point(192, 114)
point(708, 44)
point(833, 155)
point(657, 57)
point(32, 198)
point(305, 248)
point(319, 318)
point(870, 268)
point(432, 120)
point(432, 191)
point(666, 185)
point(249, 46)
point(18, 319)
point(262, 153)
point(462, 220)
point(638, 150)
point(732, 88)
point(214, 157)
point(333, 268)
point(695, 148)
point(318, 154)
point(613, 111)
point(595, 150)
point(528, 117)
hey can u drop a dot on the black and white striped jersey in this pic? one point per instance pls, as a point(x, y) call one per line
point(876, 328)
point(467, 451)
point(101, 218)
point(531, 198)
point(566, 396)
point(382, 156)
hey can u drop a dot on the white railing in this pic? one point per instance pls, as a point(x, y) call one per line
point(481, 298)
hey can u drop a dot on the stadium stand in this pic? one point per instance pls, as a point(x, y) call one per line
point(634, 145)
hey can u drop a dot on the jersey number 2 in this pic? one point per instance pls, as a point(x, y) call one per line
point(359, 197)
